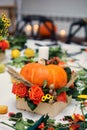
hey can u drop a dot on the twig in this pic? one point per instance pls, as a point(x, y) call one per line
point(7, 124)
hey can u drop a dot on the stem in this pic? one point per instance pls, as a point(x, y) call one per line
point(83, 113)
point(7, 125)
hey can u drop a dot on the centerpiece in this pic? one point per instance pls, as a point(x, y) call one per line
point(4, 44)
point(43, 89)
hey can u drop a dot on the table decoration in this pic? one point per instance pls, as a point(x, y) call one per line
point(38, 89)
point(3, 109)
point(4, 44)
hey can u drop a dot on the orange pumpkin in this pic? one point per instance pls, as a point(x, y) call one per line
point(36, 73)
point(44, 31)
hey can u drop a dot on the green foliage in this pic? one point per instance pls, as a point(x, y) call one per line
point(81, 82)
point(35, 126)
point(17, 42)
point(56, 51)
point(27, 124)
point(31, 105)
point(20, 61)
point(64, 89)
point(68, 71)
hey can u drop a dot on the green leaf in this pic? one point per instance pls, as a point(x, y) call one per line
point(56, 51)
point(68, 71)
point(20, 125)
point(30, 121)
point(44, 84)
point(20, 59)
point(31, 104)
point(64, 89)
point(84, 91)
point(18, 115)
point(74, 92)
point(15, 117)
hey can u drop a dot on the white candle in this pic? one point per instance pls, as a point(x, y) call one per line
point(28, 29)
point(36, 26)
point(43, 53)
point(62, 33)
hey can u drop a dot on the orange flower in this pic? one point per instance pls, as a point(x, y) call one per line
point(19, 89)
point(41, 125)
point(35, 94)
point(62, 97)
point(4, 44)
point(74, 126)
point(50, 128)
point(78, 117)
point(61, 63)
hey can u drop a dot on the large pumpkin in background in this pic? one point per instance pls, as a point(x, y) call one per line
point(36, 73)
point(44, 31)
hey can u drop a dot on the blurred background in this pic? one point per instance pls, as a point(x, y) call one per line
point(68, 16)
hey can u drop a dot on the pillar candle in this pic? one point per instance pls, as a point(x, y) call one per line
point(43, 53)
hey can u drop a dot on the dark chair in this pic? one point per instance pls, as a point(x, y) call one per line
point(81, 23)
point(30, 19)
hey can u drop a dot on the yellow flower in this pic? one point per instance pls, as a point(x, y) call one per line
point(4, 19)
point(43, 98)
point(4, 24)
point(7, 23)
point(48, 96)
point(82, 96)
point(51, 98)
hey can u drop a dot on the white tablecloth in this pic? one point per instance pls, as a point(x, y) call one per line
point(7, 98)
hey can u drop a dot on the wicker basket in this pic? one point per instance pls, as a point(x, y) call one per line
point(44, 108)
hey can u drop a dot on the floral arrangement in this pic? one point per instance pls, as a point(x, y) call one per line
point(4, 25)
point(35, 94)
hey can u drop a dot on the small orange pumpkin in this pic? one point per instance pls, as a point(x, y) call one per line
point(36, 73)
point(44, 31)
